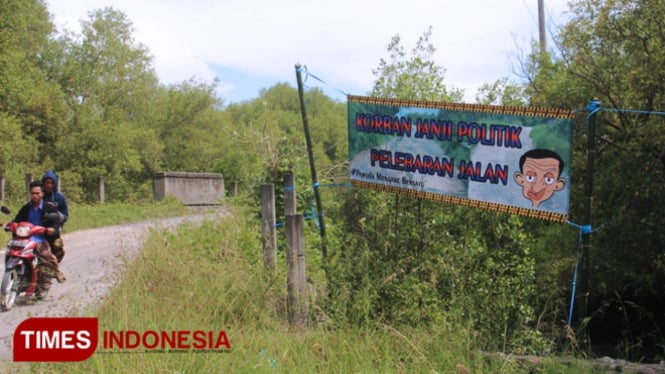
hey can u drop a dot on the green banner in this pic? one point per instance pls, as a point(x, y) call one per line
point(508, 159)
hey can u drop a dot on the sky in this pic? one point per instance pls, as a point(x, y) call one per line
point(250, 45)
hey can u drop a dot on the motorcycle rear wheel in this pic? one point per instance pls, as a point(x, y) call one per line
point(9, 289)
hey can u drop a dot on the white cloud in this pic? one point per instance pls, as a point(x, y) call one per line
point(340, 41)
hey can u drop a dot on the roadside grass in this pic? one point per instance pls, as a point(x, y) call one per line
point(211, 278)
point(90, 216)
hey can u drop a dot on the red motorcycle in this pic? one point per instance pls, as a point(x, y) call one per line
point(23, 272)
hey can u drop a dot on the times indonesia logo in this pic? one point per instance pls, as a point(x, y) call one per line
point(76, 339)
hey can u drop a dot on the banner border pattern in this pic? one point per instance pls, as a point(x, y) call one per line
point(463, 107)
point(501, 208)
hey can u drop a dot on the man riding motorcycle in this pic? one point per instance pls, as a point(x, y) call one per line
point(35, 212)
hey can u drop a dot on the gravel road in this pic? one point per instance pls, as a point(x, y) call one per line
point(92, 265)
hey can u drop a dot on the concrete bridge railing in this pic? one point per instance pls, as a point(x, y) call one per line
point(190, 188)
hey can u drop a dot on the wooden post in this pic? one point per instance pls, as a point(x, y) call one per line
point(289, 194)
point(28, 179)
point(2, 188)
point(268, 230)
point(100, 189)
point(296, 287)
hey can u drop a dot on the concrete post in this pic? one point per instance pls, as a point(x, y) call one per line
point(234, 189)
point(101, 192)
point(268, 229)
point(28, 180)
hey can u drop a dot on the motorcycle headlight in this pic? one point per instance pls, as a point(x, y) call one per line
point(23, 231)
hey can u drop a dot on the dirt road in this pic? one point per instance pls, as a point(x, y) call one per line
point(92, 265)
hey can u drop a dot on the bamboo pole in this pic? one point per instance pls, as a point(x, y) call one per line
point(315, 183)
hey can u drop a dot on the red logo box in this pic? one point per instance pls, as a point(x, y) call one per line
point(55, 339)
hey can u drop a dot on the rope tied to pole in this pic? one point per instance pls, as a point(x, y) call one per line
point(592, 108)
point(584, 229)
point(303, 69)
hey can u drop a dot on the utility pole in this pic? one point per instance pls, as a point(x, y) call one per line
point(541, 26)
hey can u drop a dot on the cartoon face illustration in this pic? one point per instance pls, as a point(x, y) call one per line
point(539, 175)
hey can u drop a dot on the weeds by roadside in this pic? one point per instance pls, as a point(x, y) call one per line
point(213, 279)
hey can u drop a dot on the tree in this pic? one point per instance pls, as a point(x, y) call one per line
point(266, 137)
point(31, 107)
point(190, 125)
point(110, 86)
point(501, 92)
point(415, 76)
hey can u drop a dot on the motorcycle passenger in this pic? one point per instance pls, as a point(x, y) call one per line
point(55, 202)
point(34, 212)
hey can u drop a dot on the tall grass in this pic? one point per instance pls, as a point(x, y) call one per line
point(211, 277)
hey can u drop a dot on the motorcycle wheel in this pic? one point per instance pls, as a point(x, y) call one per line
point(9, 289)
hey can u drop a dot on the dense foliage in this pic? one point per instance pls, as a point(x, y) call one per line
point(612, 50)
point(90, 105)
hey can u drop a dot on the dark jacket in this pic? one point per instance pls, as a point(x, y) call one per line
point(23, 215)
point(56, 197)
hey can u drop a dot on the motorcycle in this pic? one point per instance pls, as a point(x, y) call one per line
point(23, 266)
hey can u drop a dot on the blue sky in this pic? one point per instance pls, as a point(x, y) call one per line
point(249, 45)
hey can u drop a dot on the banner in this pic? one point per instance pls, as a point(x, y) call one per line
point(508, 159)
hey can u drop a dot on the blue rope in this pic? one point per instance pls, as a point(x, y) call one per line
point(337, 185)
point(594, 107)
point(312, 215)
point(584, 229)
point(634, 111)
point(317, 184)
point(574, 284)
point(308, 74)
point(315, 217)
